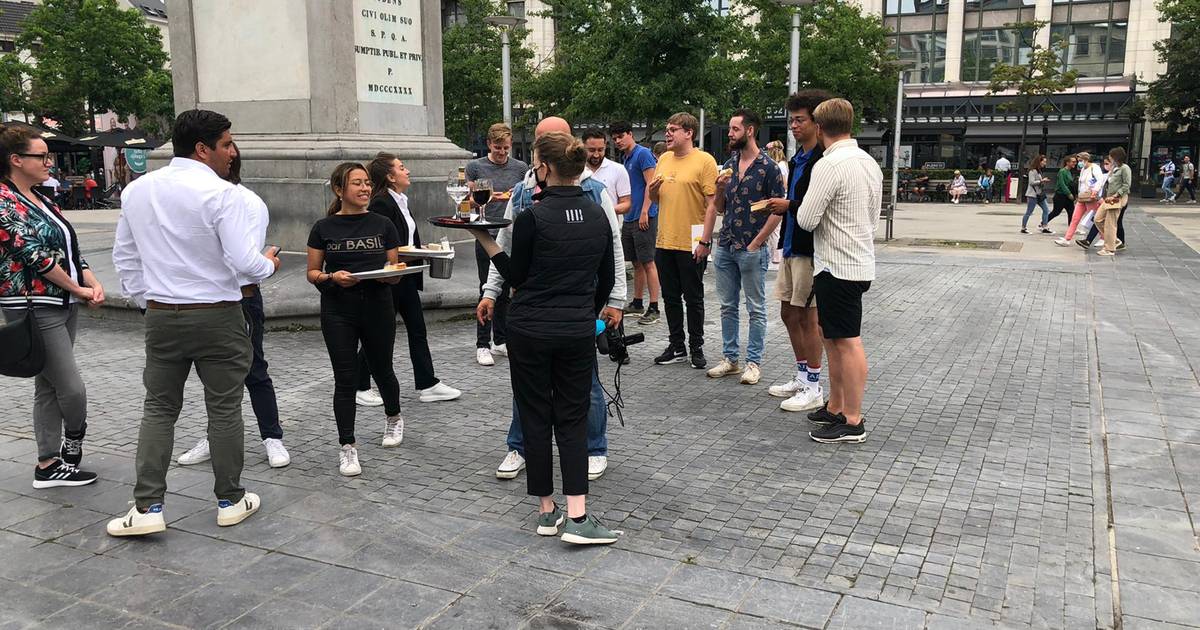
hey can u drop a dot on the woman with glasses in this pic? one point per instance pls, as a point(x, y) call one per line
point(42, 269)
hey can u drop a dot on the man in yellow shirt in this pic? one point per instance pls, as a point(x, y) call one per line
point(683, 187)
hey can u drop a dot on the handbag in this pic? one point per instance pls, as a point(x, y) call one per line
point(1087, 196)
point(22, 350)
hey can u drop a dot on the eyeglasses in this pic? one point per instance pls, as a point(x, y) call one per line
point(44, 157)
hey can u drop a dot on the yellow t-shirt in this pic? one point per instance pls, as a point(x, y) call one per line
point(681, 199)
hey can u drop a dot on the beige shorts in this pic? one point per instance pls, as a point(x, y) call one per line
point(794, 281)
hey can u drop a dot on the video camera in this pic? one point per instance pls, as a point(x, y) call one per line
point(614, 343)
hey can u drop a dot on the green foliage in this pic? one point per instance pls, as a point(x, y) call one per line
point(93, 56)
point(1174, 97)
point(842, 50)
point(637, 60)
point(13, 96)
point(473, 83)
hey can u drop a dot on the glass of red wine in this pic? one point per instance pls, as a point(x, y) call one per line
point(481, 194)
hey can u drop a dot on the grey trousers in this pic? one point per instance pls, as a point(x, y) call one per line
point(59, 397)
point(216, 341)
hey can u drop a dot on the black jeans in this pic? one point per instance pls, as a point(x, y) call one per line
point(1062, 202)
point(552, 384)
point(496, 329)
point(407, 301)
point(258, 381)
point(348, 318)
point(1093, 233)
point(1190, 187)
point(682, 280)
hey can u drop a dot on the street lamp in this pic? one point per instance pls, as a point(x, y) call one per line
point(794, 65)
point(898, 123)
point(505, 23)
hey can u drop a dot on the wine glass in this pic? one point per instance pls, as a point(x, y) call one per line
point(456, 187)
point(481, 194)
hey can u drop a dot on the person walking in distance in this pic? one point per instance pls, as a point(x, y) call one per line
point(683, 187)
point(1187, 178)
point(504, 172)
point(1002, 168)
point(258, 381)
point(1089, 184)
point(794, 283)
point(1167, 170)
point(841, 208)
point(748, 177)
point(1035, 195)
point(1120, 182)
point(1064, 189)
point(181, 252)
point(640, 227)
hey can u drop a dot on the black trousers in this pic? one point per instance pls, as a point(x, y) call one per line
point(1093, 233)
point(552, 384)
point(1190, 187)
point(495, 329)
point(258, 381)
point(407, 301)
point(1062, 202)
point(350, 318)
point(682, 280)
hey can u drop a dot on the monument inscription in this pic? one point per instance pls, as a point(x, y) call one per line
point(388, 60)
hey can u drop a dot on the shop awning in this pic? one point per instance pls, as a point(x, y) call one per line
point(1058, 131)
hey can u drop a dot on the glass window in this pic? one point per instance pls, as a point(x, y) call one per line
point(516, 8)
point(983, 49)
point(452, 13)
point(720, 6)
point(912, 7)
point(1093, 50)
point(926, 56)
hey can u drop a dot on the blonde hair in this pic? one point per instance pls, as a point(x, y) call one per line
point(562, 151)
point(835, 116)
point(775, 151)
point(498, 132)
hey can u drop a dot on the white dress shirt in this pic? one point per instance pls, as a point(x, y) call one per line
point(258, 219)
point(182, 238)
point(402, 201)
point(841, 209)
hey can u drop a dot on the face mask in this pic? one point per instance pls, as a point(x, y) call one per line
point(541, 183)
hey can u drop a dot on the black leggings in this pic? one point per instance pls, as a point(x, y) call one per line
point(1062, 202)
point(552, 384)
point(408, 307)
point(348, 318)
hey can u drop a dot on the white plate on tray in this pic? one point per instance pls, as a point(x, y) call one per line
point(427, 253)
point(389, 273)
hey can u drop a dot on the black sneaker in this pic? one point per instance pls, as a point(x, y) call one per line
point(71, 451)
point(841, 432)
point(823, 418)
point(671, 355)
point(1084, 243)
point(698, 360)
point(59, 474)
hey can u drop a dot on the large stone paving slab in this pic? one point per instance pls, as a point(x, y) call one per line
point(980, 498)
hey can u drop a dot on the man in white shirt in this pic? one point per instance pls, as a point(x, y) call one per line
point(180, 249)
point(1003, 166)
point(1167, 170)
point(612, 175)
point(841, 209)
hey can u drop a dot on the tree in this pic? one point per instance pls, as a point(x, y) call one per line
point(842, 50)
point(1041, 77)
point(92, 56)
point(1174, 97)
point(473, 84)
point(636, 60)
point(13, 96)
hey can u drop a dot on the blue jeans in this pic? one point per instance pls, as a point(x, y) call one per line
point(1168, 187)
point(1030, 203)
point(597, 424)
point(742, 272)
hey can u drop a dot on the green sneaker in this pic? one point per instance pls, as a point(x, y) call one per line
point(549, 522)
point(589, 532)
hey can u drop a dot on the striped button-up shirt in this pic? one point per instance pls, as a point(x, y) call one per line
point(841, 209)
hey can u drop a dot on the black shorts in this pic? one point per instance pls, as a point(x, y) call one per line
point(638, 244)
point(839, 305)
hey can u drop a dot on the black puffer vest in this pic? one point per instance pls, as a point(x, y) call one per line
point(558, 300)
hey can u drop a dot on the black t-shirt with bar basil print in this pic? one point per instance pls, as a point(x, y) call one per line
point(354, 242)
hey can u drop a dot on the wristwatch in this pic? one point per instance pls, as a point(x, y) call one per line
point(707, 244)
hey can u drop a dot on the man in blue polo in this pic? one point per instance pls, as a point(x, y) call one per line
point(524, 196)
point(640, 228)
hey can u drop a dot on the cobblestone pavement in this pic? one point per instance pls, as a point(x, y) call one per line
point(1015, 410)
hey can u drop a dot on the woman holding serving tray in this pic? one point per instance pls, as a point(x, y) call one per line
point(343, 247)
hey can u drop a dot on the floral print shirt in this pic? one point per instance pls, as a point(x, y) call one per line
point(763, 180)
point(32, 242)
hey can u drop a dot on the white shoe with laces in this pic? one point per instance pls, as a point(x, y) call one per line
point(597, 464)
point(500, 350)
point(369, 398)
point(277, 455)
point(751, 374)
point(511, 466)
point(484, 357)
point(808, 398)
point(137, 523)
point(230, 513)
point(724, 368)
point(438, 393)
point(393, 433)
point(348, 461)
point(197, 455)
point(788, 389)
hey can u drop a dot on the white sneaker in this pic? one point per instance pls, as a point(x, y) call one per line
point(136, 523)
point(751, 374)
point(512, 465)
point(1098, 244)
point(277, 455)
point(229, 513)
point(484, 357)
point(369, 398)
point(500, 350)
point(348, 461)
point(788, 389)
point(393, 433)
point(439, 392)
point(198, 455)
point(724, 368)
point(805, 399)
point(597, 464)
point(1061, 242)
